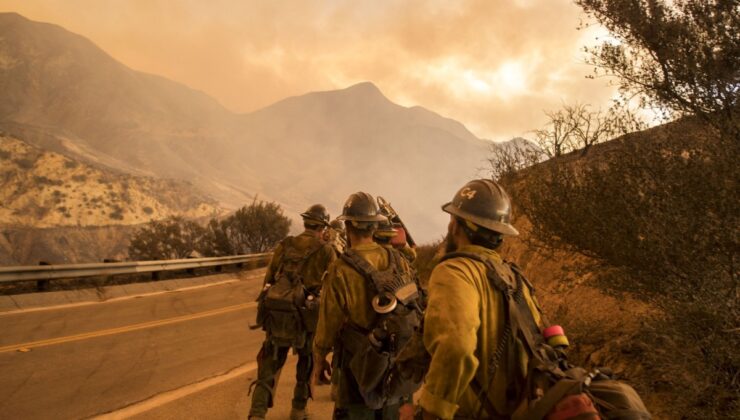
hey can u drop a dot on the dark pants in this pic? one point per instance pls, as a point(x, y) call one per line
point(270, 361)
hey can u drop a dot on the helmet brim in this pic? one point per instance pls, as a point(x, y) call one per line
point(500, 227)
point(386, 233)
point(308, 217)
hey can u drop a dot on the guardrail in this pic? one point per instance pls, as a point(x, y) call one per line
point(44, 273)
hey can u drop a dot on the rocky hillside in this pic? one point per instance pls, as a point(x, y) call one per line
point(62, 93)
point(41, 189)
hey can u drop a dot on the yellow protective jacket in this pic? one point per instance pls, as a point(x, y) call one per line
point(347, 297)
point(318, 262)
point(463, 324)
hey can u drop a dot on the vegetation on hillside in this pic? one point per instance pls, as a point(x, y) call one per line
point(659, 206)
point(662, 206)
point(255, 228)
point(40, 188)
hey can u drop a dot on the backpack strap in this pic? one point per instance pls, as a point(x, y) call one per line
point(520, 274)
point(310, 253)
point(491, 273)
point(303, 259)
point(519, 314)
point(286, 244)
point(518, 321)
point(366, 270)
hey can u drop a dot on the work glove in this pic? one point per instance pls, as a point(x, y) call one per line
point(406, 412)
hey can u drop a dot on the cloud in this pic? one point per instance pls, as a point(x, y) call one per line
point(493, 65)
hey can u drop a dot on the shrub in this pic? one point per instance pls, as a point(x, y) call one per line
point(172, 238)
point(24, 163)
point(42, 180)
point(117, 213)
point(255, 228)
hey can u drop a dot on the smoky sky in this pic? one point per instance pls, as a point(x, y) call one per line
point(493, 65)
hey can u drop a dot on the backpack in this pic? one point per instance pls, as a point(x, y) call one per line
point(286, 310)
point(552, 389)
point(373, 353)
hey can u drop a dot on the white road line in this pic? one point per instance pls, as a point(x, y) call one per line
point(176, 394)
point(126, 328)
point(120, 298)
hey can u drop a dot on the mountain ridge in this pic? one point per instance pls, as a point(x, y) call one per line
point(316, 147)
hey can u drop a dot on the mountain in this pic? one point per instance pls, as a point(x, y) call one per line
point(66, 95)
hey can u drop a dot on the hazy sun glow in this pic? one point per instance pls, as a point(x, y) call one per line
point(492, 65)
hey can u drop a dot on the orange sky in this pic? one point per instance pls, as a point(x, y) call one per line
point(493, 65)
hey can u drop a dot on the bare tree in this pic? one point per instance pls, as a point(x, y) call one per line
point(577, 126)
point(506, 159)
point(556, 138)
point(589, 127)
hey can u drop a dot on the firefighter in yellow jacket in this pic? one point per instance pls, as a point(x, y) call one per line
point(482, 323)
point(346, 306)
point(303, 259)
point(464, 321)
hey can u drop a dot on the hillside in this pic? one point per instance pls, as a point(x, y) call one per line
point(66, 95)
point(632, 248)
point(41, 189)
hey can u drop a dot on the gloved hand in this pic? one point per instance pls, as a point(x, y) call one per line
point(406, 412)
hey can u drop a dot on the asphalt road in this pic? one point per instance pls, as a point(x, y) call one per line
point(183, 354)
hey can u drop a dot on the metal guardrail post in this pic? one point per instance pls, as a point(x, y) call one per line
point(42, 285)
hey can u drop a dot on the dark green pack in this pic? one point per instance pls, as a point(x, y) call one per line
point(287, 311)
point(374, 352)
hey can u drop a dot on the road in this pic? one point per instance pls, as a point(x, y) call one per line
point(182, 354)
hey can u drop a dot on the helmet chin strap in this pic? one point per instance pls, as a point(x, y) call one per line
point(477, 235)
